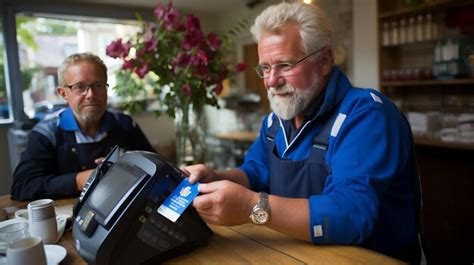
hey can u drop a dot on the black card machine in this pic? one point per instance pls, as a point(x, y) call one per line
point(116, 219)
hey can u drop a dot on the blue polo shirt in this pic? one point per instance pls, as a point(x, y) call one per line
point(370, 196)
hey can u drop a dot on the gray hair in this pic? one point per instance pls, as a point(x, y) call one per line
point(314, 26)
point(78, 57)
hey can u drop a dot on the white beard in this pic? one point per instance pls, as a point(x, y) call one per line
point(86, 118)
point(289, 106)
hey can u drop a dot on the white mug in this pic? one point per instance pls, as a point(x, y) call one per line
point(13, 232)
point(26, 251)
point(42, 220)
point(22, 214)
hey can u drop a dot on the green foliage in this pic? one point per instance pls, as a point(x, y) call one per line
point(130, 87)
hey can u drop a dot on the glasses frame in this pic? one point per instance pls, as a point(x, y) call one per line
point(276, 66)
point(92, 86)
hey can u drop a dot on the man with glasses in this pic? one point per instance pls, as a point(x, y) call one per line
point(333, 164)
point(63, 149)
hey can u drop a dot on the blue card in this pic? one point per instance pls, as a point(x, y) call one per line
point(179, 200)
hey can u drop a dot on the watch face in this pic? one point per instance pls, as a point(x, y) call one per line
point(261, 216)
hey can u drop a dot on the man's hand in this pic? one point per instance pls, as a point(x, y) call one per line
point(82, 177)
point(99, 160)
point(201, 173)
point(225, 203)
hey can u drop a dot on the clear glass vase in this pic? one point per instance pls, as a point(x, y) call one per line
point(190, 137)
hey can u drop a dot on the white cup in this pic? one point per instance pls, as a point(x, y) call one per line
point(42, 220)
point(22, 214)
point(13, 232)
point(26, 251)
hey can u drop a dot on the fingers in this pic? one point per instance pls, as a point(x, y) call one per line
point(196, 172)
point(203, 202)
point(99, 160)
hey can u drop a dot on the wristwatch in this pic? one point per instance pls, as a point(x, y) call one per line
point(260, 213)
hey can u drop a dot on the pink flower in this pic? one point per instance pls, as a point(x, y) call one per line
point(182, 60)
point(199, 58)
point(171, 19)
point(117, 49)
point(128, 64)
point(192, 39)
point(214, 41)
point(150, 44)
point(193, 23)
point(202, 71)
point(142, 71)
point(181, 27)
point(240, 67)
point(186, 89)
point(160, 11)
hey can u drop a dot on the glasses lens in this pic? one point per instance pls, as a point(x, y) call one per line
point(284, 69)
point(263, 71)
point(99, 86)
point(79, 89)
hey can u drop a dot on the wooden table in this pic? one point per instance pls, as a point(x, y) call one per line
point(246, 244)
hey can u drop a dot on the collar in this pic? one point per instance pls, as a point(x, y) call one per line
point(325, 104)
point(68, 122)
point(336, 90)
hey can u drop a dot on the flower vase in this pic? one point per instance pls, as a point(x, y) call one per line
point(190, 136)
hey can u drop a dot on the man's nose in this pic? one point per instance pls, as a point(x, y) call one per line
point(275, 79)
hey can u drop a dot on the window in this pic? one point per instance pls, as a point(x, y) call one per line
point(35, 38)
point(44, 42)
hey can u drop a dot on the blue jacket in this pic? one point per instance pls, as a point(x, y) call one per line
point(370, 197)
point(57, 150)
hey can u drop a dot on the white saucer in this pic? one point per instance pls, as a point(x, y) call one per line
point(54, 254)
point(12, 221)
point(61, 221)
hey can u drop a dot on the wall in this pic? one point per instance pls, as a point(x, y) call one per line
point(365, 55)
point(159, 131)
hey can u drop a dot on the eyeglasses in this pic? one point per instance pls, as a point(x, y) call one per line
point(283, 69)
point(81, 89)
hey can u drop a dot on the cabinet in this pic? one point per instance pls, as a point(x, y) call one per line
point(426, 54)
point(426, 59)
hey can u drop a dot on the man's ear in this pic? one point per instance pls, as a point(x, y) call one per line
point(327, 60)
point(61, 92)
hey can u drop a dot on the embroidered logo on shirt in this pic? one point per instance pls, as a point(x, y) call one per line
point(337, 124)
point(376, 98)
point(318, 231)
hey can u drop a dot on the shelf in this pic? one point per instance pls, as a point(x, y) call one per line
point(438, 4)
point(435, 142)
point(411, 83)
point(429, 43)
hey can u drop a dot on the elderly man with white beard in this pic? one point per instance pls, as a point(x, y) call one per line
point(333, 163)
